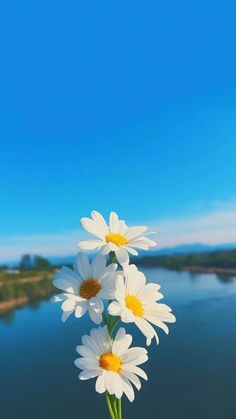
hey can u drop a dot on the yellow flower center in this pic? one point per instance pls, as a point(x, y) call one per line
point(110, 362)
point(134, 304)
point(117, 239)
point(89, 288)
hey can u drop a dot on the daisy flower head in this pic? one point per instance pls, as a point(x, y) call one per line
point(116, 237)
point(113, 362)
point(85, 287)
point(136, 302)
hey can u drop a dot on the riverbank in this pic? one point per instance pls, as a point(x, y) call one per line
point(197, 269)
point(20, 289)
point(9, 305)
point(219, 262)
point(210, 270)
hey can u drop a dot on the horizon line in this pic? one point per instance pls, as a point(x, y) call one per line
point(214, 228)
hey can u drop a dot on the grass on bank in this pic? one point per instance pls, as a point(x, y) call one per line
point(225, 259)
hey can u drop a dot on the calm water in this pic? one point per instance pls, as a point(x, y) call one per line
point(191, 373)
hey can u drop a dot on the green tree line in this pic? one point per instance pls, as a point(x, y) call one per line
point(216, 259)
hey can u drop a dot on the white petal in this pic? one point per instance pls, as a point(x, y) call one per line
point(81, 309)
point(85, 351)
point(96, 304)
point(122, 256)
point(66, 315)
point(163, 308)
point(86, 375)
point(120, 289)
point(59, 297)
point(114, 222)
point(127, 316)
point(128, 389)
point(66, 285)
point(93, 227)
point(158, 323)
point(135, 231)
point(105, 249)
point(135, 356)
point(101, 339)
point(110, 269)
point(100, 220)
point(100, 384)
point(149, 293)
point(86, 363)
point(90, 244)
point(138, 245)
point(115, 384)
point(132, 377)
point(149, 242)
point(113, 247)
point(142, 243)
point(108, 291)
point(108, 383)
point(118, 388)
point(95, 316)
point(89, 343)
point(131, 250)
point(145, 328)
point(68, 304)
point(136, 370)
point(159, 311)
point(135, 280)
point(67, 280)
point(83, 266)
point(114, 309)
point(98, 266)
point(121, 342)
point(123, 228)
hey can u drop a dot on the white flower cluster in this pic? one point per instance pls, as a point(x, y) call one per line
point(129, 298)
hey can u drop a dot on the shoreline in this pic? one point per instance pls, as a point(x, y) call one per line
point(13, 303)
point(212, 270)
point(192, 268)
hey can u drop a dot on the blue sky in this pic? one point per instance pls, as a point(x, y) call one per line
point(126, 106)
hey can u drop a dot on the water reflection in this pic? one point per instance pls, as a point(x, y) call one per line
point(9, 315)
point(226, 278)
point(191, 373)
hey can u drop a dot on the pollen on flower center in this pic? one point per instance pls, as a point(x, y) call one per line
point(89, 288)
point(134, 304)
point(117, 239)
point(110, 362)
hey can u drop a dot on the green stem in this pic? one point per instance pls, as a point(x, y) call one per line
point(119, 409)
point(104, 317)
point(113, 404)
point(112, 258)
point(115, 410)
point(109, 406)
point(113, 325)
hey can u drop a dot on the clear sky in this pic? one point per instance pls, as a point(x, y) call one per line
point(126, 106)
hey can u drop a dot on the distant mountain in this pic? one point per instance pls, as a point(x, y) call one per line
point(181, 249)
point(192, 248)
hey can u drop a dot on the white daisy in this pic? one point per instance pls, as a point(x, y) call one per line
point(136, 302)
point(116, 237)
point(112, 361)
point(85, 287)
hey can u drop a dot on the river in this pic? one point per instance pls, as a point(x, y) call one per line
point(191, 373)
